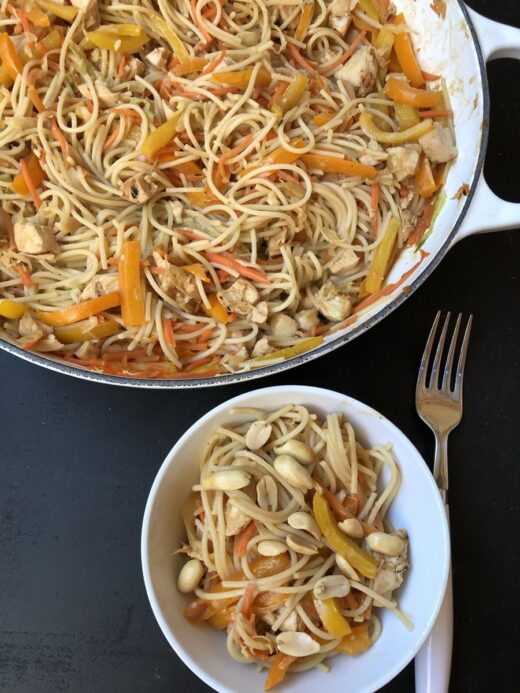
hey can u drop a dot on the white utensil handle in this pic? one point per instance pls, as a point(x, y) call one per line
point(487, 211)
point(433, 661)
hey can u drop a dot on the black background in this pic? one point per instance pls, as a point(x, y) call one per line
point(77, 461)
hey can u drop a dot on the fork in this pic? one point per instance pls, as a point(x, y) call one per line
point(440, 406)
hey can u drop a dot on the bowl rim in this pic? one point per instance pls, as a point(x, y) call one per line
point(308, 390)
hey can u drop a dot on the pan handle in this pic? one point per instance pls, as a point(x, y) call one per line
point(488, 212)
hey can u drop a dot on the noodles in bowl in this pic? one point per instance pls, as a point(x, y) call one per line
point(198, 188)
point(290, 547)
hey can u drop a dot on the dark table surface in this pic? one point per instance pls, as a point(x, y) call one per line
point(77, 461)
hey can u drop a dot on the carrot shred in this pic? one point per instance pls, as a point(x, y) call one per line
point(244, 539)
point(30, 184)
point(435, 114)
point(423, 223)
point(278, 92)
point(196, 364)
point(25, 276)
point(60, 137)
point(228, 261)
point(230, 154)
point(214, 63)
point(429, 77)
point(248, 599)
point(121, 66)
point(298, 58)
point(168, 333)
point(199, 24)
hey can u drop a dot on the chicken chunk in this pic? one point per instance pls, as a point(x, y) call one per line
point(437, 145)
point(87, 351)
point(242, 298)
point(332, 303)
point(307, 319)
point(179, 285)
point(28, 327)
point(360, 70)
point(133, 67)
point(275, 243)
point(100, 285)
point(158, 58)
point(139, 188)
point(283, 326)
point(90, 7)
point(393, 569)
point(373, 154)
point(344, 261)
point(403, 161)
point(262, 348)
point(34, 238)
point(106, 96)
point(236, 520)
point(340, 14)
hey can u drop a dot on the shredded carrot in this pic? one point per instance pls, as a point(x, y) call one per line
point(30, 184)
point(248, 599)
point(336, 505)
point(128, 112)
point(344, 56)
point(298, 58)
point(196, 364)
point(214, 63)
point(435, 114)
point(244, 539)
point(24, 276)
point(111, 139)
point(278, 92)
point(204, 336)
point(60, 137)
point(121, 66)
point(423, 223)
point(229, 261)
point(230, 154)
point(168, 333)
point(199, 24)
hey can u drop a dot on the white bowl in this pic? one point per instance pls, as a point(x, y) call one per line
point(417, 508)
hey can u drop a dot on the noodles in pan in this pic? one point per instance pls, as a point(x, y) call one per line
point(195, 188)
point(289, 542)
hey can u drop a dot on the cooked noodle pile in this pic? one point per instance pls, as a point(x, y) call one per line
point(289, 542)
point(195, 188)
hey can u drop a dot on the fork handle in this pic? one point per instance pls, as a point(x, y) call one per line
point(433, 661)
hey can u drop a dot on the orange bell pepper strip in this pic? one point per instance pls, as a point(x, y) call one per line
point(9, 57)
point(280, 155)
point(382, 257)
point(80, 311)
point(198, 271)
point(190, 65)
point(333, 620)
point(400, 91)
point(406, 55)
point(333, 164)
point(131, 285)
point(425, 183)
point(241, 78)
point(11, 309)
point(304, 21)
point(356, 642)
point(279, 667)
point(36, 173)
point(221, 619)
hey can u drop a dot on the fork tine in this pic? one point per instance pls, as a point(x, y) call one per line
point(423, 368)
point(462, 360)
point(434, 380)
point(446, 380)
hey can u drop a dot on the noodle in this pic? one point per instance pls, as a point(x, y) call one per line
point(263, 553)
point(244, 224)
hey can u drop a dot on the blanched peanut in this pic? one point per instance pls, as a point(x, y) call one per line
point(267, 493)
point(331, 586)
point(352, 528)
point(226, 480)
point(387, 544)
point(269, 547)
point(293, 472)
point(301, 520)
point(190, 576)
point(296, 644)
point(300, 545)
point(258, 434)
point(295, 448)
point(346, 568)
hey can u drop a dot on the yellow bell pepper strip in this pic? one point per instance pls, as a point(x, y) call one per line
point(5, 78)
point(9, 57)
point(190, 65)
point(382, 256)
point(359, 559)
point(406, 55)
point(198, 271)
point(66, 12)
point(406, 116)
point(304, 21)
point(368, 126)
point(383, 42)
point(367, 8)
point(122, 38)
point(131, 285)
point(80, 311)
point(279, 667)
point(280, 155)
point(333, 620)
point(37, 17)
point(292, 95)
point(400, 91)
point(292, 351)
point(179, 49)
point(381, 7)
point(425, 183)
point(161, 136)
point(333, 164)
point(356, 642)
point(11, 309)
point(241, 78)
point(36, 173)
point(74, 333)
point(217, 310)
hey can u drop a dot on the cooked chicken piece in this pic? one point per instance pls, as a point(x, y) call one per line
point(409, 222)
point(345, 260)
point(340, 14)
point(262, 348)
point(90, 7)
point(373, 154)
point(403, 161)
point(49, 343)
point(236, 520)
point(158, 58)
point(291, 623)
point(438, 145)
point(28, 327)
point(177, 211)
point(106, 96)
point(87, 351)
point(238, 357)
point(179, 285)
point(241, 298)
point(134, 67)
point(100, 285)
point(139, 188)
point(307, 319)
point(332, 303)
point(275, 242)
point(360, 70)
point(34, 238)
point(393, 569)
point(282, 326)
